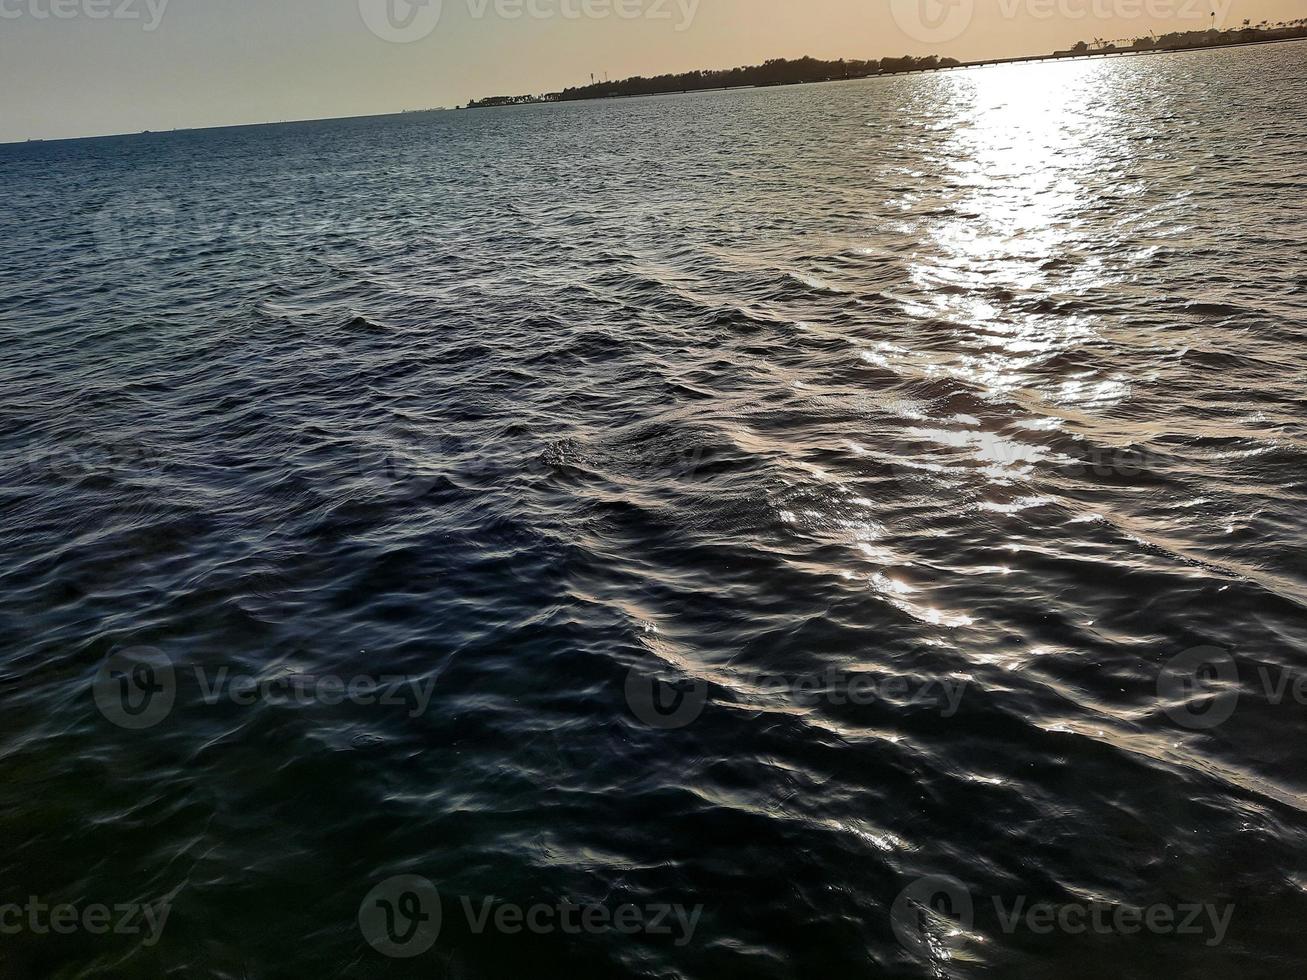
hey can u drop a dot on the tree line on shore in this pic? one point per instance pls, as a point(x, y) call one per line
point(777, 71)
point(780, 71)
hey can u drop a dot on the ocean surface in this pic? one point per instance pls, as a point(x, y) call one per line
point(835, 513)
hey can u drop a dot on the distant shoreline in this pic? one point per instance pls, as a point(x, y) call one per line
point(808, 71)
point(1028, 59)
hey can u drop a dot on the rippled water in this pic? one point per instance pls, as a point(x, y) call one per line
point(983, 388)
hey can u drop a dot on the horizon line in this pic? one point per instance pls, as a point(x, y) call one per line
point(981, 63)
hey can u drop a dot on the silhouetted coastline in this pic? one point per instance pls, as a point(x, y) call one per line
point(802, 71)
point(1188, 40)
point(777, 71)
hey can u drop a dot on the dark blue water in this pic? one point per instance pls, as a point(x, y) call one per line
point(939, 441)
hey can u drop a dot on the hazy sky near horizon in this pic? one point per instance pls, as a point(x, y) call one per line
point(88, 67)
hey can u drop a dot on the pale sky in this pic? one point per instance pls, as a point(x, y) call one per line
point(112, 66)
